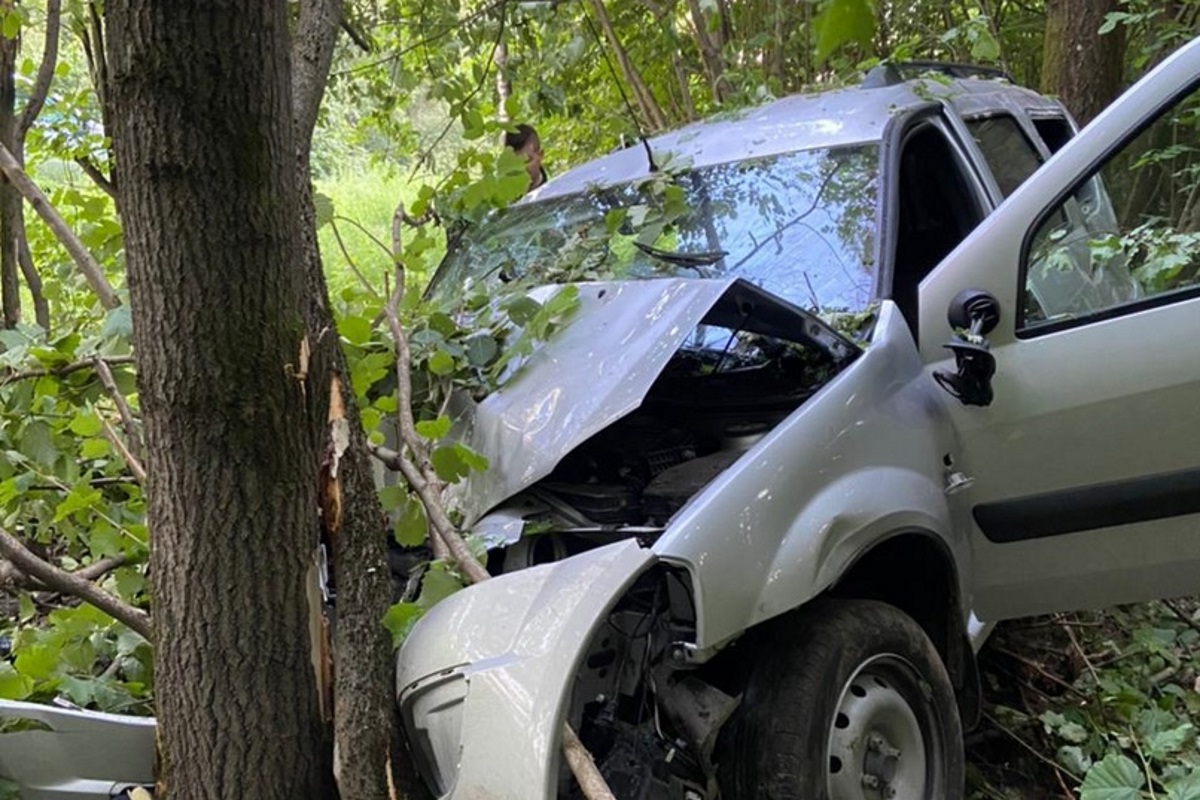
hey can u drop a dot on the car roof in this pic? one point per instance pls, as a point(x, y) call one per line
point(832, 118)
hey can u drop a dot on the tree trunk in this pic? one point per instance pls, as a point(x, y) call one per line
point(10, 198)
point(1079, 65)
point(709, 45)
point(641, 92)
point(209, 195)
point(354, 525)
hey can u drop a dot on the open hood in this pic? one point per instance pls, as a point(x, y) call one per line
point(601, 365)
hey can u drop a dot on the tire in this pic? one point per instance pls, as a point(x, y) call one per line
point(845, 700)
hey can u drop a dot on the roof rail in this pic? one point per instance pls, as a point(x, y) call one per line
point(893, 72)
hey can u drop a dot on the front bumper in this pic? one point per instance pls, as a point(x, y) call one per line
point(67, 754)
point(488, 673)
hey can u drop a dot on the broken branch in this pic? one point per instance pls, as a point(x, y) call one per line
point(67, 583)
point(583, 767)
point(83, 259)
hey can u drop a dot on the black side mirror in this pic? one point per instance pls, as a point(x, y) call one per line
point(972, 314)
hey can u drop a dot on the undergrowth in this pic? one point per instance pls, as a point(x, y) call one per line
point(1094, 705)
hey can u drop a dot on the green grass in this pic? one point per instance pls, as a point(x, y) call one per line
point(364, 200)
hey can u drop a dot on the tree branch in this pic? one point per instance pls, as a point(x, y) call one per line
point(312, 55)
point(131, 430)
point(135, 466)
point(83, 259)
point(9, 574)
point(584, 767)
point(92, 171)
point(45, 74)
point(68, 583)
point(66, 369)
point(357, 36)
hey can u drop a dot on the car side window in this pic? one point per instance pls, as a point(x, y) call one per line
point(1055, 132)
point(1010, 155)
point(1129, 233)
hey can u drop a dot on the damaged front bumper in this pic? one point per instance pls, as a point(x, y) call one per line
point(490, 669)
point(70, 754)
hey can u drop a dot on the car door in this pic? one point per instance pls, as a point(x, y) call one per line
point(1080, 481)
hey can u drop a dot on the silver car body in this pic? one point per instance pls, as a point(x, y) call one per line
point(57, 753)
point(879, 452)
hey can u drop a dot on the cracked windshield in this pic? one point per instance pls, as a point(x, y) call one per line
point(800, 225)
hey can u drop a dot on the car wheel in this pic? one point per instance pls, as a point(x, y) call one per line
point(846, 700)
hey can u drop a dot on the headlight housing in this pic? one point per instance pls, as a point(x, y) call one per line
point(432, 708)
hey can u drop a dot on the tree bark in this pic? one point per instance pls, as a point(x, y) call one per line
point(208, 190)
point(355, 528)
point(1079, 65)
point(10, 199)
point(710, 46)
point(641, 92)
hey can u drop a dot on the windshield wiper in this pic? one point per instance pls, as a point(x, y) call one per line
point(702, 258)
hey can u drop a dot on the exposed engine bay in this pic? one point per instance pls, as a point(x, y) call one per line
point(719, 395)
point(728, 368)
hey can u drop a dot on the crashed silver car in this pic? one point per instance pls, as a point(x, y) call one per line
point(757, 503)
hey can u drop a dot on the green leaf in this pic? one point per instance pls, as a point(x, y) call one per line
point(482, 349)
point(434, 429)
point(25, 607)
point(454, 462)
point(130, 582)
point(411, 528)
point(400, 619)
point(117, 323)
point(1116, 777)
point(81, 497)
point(392, 497)
point(12, 25)
point(38, 444)
point(356, 330)
point(522, 310)
point(13, 685)
point(842, 21)
point(438, 584)
point(86, 423)
point(93, 449)
point(441, 363)
point(9, 790)
point(1185, 788)
point(449, 464)
point(323, 205)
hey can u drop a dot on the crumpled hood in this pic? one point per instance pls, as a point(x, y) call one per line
point(600, 366)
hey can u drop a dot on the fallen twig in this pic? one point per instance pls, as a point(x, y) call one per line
point(68, 583)
point(1033, 751)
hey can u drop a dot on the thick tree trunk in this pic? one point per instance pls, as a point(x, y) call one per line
point(1078, 64)
point(209, 195)
point(10, 198)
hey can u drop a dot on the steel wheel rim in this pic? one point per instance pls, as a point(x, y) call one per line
point(880, 745)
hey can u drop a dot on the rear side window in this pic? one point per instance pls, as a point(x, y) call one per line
point(1010, 155)
point(1055, 132)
